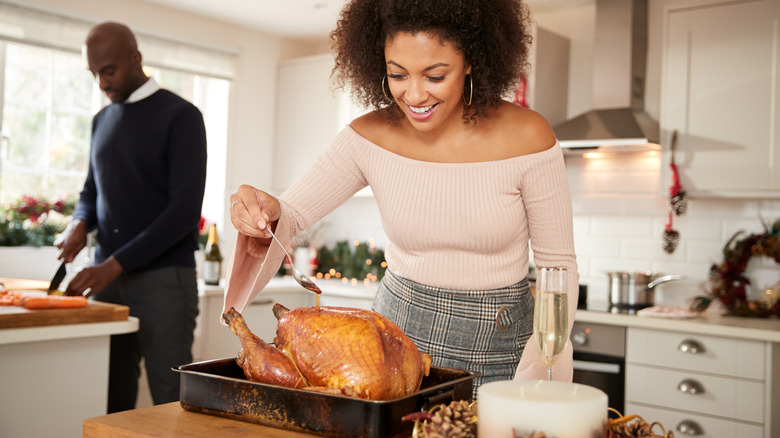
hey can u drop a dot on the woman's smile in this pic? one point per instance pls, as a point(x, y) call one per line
point(422, 112)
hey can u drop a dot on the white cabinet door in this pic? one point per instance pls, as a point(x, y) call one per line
point(719, 77)
point(309, 112)
point(548, 78)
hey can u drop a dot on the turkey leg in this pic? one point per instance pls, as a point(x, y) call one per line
point(261, 361)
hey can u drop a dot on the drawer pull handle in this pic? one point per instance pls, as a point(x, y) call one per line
point(261, 303)
point(690, 386)
point(691, 346)
point(690, 428)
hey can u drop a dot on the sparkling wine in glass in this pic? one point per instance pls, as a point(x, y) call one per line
point(551, 314)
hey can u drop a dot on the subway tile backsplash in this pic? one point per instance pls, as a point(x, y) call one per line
point(620, 214)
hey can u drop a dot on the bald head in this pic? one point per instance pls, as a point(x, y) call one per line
point(116, 34)
point(114, 60)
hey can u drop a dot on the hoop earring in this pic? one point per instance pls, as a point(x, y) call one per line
point(383, 90)
point(471, 92)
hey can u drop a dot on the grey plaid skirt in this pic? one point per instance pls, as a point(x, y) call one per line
point(480, 330)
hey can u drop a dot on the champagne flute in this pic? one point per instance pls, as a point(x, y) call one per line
point(551, 314)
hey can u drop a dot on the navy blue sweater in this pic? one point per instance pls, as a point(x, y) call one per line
point(144, 187)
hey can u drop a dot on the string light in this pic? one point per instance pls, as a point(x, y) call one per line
point(369, 277)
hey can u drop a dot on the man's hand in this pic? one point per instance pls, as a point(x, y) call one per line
point(72, 240)
point(93, 279)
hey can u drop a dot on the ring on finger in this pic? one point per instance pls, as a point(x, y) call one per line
point(234, 204)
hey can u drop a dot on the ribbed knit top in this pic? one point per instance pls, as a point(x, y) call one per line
point(463, 226)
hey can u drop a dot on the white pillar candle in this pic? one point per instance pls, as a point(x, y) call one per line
point(513, 409)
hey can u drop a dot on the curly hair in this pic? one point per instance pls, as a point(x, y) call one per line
point(493, 36)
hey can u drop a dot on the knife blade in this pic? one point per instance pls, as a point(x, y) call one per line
point(57, 279)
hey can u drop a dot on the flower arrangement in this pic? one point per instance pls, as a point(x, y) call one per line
point(727, 281)
point(31, 221)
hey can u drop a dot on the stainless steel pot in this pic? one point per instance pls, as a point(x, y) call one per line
point(634, 290)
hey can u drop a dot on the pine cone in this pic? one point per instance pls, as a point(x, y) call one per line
point(679, 202)
point(671, 239)
point(456, 420)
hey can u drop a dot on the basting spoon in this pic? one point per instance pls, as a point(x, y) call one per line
point(299, 276)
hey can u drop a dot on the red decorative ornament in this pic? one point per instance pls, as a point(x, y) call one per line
point(521, 92)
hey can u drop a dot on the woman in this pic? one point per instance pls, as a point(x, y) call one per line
point(463, 181)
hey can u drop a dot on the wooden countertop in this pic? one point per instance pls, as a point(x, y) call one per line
point(171, 420)
point(24, 284)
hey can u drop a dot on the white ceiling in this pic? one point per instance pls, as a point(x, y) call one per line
point(304, 19)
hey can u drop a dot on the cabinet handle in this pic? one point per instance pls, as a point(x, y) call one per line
point(261, 303)
point(690, 386)
point(690, 428)
point(691, 346)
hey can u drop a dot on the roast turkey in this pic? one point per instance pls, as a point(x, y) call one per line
point(340, 350)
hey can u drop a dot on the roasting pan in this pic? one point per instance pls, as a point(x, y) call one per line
point(218, 387)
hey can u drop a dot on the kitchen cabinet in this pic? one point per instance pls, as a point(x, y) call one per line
point(54, 376)
point(719, 92)
point(740, 357)
point(309, 114)
point(214, 340)
point(702, 385)
point(548, 76)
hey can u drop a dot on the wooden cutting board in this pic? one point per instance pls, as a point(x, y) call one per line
point(17, 316)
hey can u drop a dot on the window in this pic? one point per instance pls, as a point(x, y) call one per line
point(47, 100)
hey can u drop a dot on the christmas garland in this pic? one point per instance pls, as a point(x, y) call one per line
point(727, 281)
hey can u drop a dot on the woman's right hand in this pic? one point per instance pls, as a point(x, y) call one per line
point(251, 210)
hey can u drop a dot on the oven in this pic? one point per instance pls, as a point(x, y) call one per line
point(600, 359)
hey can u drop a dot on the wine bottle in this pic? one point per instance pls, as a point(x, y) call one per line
point(212, 258)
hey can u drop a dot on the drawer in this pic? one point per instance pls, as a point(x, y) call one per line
point(709, 427)
point(702, 353)
point(720, 396)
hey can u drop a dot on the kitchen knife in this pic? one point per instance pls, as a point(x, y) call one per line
point(57, 279)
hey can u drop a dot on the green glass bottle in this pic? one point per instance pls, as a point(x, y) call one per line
point(212, 258)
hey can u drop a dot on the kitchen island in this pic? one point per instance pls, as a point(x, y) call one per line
point(171, 420)
point(54, 376)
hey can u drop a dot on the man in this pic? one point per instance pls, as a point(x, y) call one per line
point(143, 194)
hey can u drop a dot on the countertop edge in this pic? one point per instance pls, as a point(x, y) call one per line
point(18, 335)
point(282, 285)
point(758, 329)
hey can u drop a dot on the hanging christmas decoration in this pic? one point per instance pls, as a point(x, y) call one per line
point(678, 202)
point(671, 236)
point(677, 196)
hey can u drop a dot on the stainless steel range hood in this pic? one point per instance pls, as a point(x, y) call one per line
point(618, 121)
